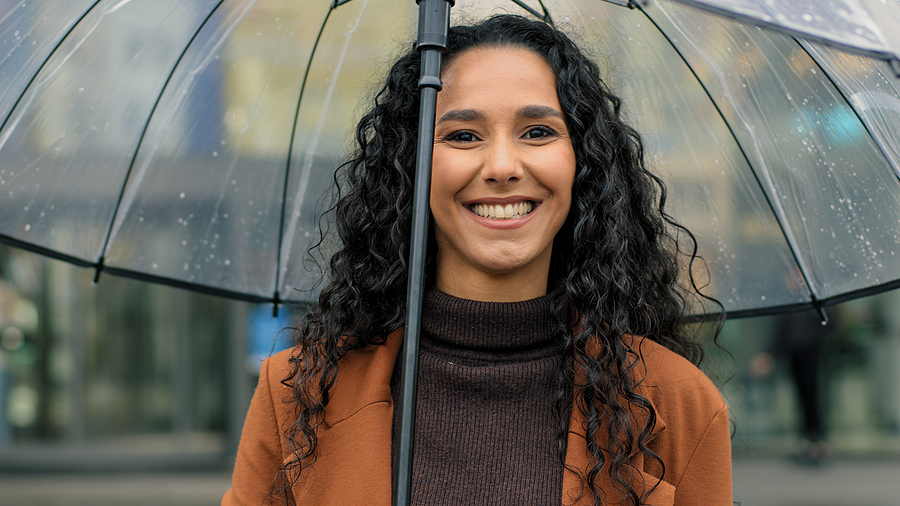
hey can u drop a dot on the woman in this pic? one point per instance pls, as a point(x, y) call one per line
point(549, 255)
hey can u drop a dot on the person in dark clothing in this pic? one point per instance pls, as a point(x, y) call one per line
point(799, 339)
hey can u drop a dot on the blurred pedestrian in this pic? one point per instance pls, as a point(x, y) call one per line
point(798, 340)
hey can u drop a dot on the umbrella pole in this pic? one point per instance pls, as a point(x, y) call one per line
point(434, 24)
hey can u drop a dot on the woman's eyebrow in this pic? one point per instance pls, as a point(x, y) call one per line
point(462, 115)
point(539, 112)
point(527, 112)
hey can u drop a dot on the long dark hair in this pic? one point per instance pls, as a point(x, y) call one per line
point(615, 257)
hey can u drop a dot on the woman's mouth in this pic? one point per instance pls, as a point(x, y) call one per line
point(503, 211)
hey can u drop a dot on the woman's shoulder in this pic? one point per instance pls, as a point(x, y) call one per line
point(277, 367)
point(673, 380)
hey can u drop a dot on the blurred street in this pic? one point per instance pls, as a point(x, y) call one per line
point(757, 482)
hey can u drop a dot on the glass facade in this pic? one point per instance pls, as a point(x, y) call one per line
point(122, 371)
point(858, 381)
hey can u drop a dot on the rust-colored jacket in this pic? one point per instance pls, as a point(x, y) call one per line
point(353, 465)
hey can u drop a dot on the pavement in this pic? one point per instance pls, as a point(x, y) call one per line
point(757, 482)
point(781, 482)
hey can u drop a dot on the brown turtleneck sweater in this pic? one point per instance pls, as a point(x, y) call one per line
point(485, 425)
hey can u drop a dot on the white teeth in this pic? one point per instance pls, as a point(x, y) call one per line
point(501, 212)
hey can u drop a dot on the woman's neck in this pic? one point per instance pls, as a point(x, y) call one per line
point(513, 287)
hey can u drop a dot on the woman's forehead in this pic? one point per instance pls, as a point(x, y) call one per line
point(494, 76)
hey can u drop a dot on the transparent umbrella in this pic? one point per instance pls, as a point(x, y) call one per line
point(190, 143)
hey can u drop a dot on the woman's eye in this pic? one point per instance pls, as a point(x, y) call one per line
point(462, 136)
point(538, 133)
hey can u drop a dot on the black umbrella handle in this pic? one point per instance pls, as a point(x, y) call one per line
point(434, 24)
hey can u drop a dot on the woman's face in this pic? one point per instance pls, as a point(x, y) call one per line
point(502, 176)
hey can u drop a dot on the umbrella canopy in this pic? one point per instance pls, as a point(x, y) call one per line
point(867, 27)
point(191, 143)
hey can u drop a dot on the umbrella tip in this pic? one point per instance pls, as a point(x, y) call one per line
point(822, 315)
point(895, 66)
point(98, 271)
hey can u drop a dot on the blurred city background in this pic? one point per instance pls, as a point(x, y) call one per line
point(109, 389)
point(127, 391)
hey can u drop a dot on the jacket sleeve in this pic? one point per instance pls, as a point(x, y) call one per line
point(259, 456)
point(707, 478)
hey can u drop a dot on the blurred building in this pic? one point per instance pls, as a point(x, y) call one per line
point(120, 375)
point(859, 382)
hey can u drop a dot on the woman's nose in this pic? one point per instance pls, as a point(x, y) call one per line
point(503, 163)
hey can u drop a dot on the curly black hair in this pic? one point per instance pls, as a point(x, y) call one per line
point(616, 257)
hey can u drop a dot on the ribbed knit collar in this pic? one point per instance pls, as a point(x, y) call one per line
point(491, 331)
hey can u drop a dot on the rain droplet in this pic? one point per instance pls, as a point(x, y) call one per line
point(155, 266)
point(27, 228)
point(227, 262)
point(181, 195)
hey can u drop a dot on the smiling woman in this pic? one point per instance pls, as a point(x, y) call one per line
point(501, 146)
point(554, 365)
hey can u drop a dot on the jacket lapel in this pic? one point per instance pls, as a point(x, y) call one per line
point(353, 463)
point(578, 461)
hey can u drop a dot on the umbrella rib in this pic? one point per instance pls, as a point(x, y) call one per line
point(125, 273)
point(100, 264)
point(46, 60)
point(816, 303)
point(840, 90)
point(789, 308)
point(287, 171)
point(194, 287)
point(545, 17)
point(47, 252)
